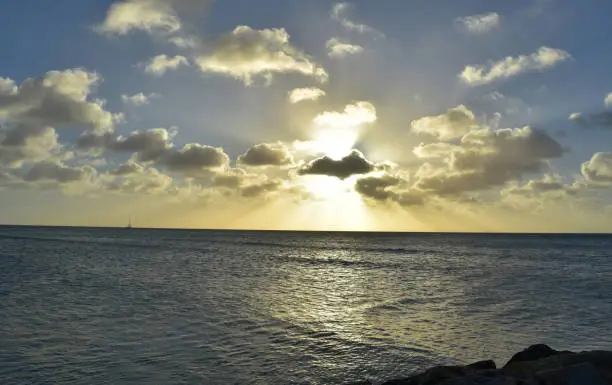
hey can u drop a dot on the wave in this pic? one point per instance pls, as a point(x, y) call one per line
point(335, 262)
point(384, 250)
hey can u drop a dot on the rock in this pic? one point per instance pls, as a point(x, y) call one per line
point(533, 353)
point(440, 373)
point(403, 381)
point(580, 374)
point(536, 365)
point(482, 365)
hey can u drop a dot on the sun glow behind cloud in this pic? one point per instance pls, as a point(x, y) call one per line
point(335, 134)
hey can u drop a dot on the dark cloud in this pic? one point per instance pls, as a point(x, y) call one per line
point(376, 187)
point(266, 154)
point(353, 164)
point(389, 188)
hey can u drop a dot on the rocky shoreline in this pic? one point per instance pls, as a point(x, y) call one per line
point(536, 365)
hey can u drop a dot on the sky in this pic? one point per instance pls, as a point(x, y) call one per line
point(388, 115)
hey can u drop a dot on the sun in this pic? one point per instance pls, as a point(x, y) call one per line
point(327, 187)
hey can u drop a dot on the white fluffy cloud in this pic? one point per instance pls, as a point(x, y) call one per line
point(152, 16)
point(309, 93)
point(60, 98)
point(478, 24)
point(138, 99)
point(608, 100)
point(246, 53)
point(483, 159)
point(147, 15)
point(510, 66)
point(337, 48)
point(160, 64)
point(455, 123)
point(354, 115)
point(339, 13)
point(599, 168)
point(266, 154)
point(194, 158)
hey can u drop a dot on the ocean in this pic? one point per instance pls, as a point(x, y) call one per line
point(118, 306)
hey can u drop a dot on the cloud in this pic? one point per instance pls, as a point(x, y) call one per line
point(232, 178)
point(549, 183)
point(337, 48)
point(27, 143)
point(58, 172)
point(259, 189)
point(194, 158)
point(608, 100)
point(160, 64)
point(389, 188)
point(455, 123)
point(136, 179)
point(434, 150)
point(599, 168)
point(377, 187)
point(339, 13)
point(146, 15)
point(246, 53)
point(245, 184)
point(478, 24)
point(544, 58)
point(354, 115)
point(310, 93)
point(154, 146)
point(266, 154)
point(139, 99)
point(601, 120)
point(353, 164)
point(59, 98)
point(152, 16)
point(148, 145)
point(127, 168)
point(486, 158)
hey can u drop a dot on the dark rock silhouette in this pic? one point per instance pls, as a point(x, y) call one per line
point(536, 365)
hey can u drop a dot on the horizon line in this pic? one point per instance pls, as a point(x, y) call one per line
point(310, 230)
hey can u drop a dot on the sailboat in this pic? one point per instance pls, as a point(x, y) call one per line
point(129, 226)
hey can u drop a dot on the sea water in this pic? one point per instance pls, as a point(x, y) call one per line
point(119, 306)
